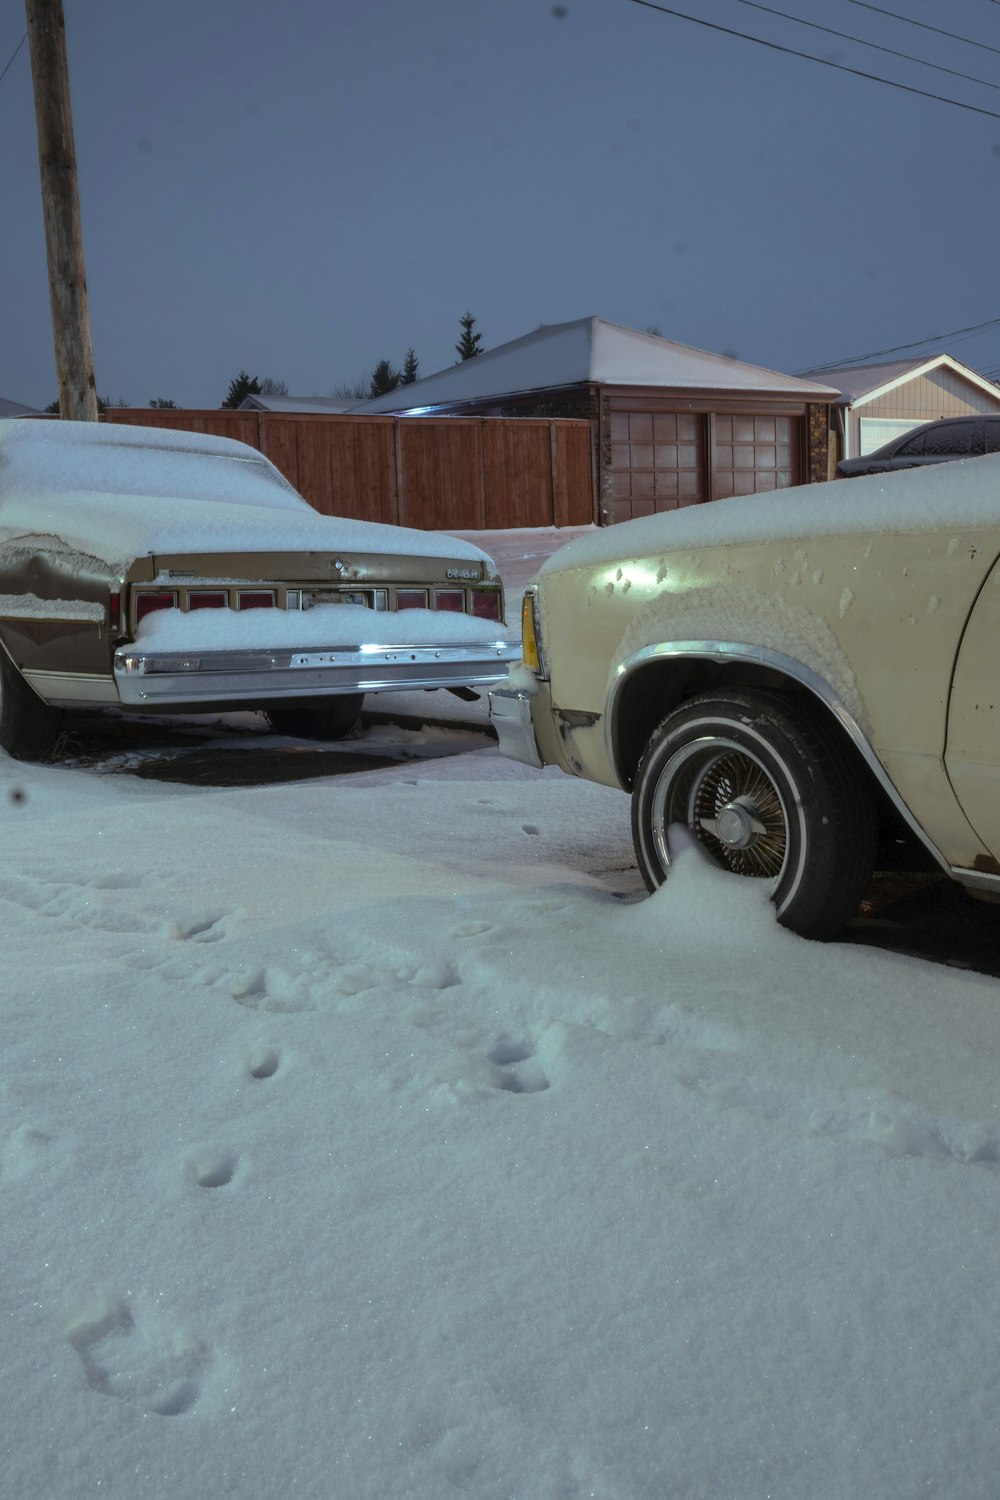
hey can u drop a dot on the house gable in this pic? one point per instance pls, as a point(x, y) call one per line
point(940, 387)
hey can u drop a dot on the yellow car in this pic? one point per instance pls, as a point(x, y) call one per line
point(807, 680)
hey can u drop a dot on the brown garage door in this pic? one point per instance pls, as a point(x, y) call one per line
point(663, 460)
point(657, 461)
point(752, 454)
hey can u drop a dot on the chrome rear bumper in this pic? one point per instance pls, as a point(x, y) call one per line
point(147, 677)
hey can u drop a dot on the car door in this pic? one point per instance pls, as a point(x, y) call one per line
point(972, 754)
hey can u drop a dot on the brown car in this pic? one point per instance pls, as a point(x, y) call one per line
point(173, 572)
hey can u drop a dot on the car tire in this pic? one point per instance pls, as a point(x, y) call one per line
point(768, 791)
point(318, 718)
point(29, 728)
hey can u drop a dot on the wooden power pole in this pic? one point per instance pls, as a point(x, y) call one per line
point(61, 204)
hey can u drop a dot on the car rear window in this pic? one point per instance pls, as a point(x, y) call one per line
point(146, 473)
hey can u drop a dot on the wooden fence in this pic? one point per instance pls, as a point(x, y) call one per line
point(434, 473)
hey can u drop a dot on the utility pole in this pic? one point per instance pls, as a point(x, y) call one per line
point(61, 205)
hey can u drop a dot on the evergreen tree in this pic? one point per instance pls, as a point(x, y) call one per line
point(408, 374)
point(384, 379)
point(241, 387)
point(468, 344)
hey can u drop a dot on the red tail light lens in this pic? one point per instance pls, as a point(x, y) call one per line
point(450, 599)
point(486, 606)
point(411, 598)
point(208, 599)
point(148, 601)
point(256, 599)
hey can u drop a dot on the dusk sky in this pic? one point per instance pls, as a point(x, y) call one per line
point(300, 190)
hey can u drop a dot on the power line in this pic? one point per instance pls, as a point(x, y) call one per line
point(824, 61)
point(933, 338)
point(25, 38)
point(875, 46)
point(880, 10)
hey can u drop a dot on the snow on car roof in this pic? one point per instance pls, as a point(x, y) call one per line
point(947, 498)
point(121, 492)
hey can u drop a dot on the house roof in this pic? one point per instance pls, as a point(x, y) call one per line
point(328, 405)
point(17, 409)
point(860, 384)
point(589, 351)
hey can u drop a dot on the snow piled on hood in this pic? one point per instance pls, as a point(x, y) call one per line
point(122, 492)
point(941, 498)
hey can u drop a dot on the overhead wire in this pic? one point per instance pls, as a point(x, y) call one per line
point(13, 55)
point(955, 335)
point(933, 338)
point(924, 26)
point(875, 46)
point(823, 61)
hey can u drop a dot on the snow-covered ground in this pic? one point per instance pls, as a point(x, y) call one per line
point(364, 1138)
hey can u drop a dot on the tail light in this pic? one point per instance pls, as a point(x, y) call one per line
point(255, 599)
point(148, 600)
point(450, 599)
point(208, 599)
point(486, 604)
point(411, 598)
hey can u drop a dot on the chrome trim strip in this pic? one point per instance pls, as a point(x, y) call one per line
point(977, 880)
point(777, 661)
point(510, 715)
point(240, 676)
point(65, 689)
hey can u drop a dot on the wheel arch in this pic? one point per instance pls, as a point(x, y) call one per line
point(659, 678)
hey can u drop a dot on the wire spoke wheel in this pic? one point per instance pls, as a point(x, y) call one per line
point(768, 791)
point(729, 802)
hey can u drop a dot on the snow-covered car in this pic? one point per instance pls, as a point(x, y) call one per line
point(937, 442)
point(807, 681)
point(173, 572)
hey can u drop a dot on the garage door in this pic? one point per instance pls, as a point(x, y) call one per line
point(656, 459)
point(752, 454)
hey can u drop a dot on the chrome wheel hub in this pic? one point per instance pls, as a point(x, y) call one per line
point(727, 798)
point(735, 825)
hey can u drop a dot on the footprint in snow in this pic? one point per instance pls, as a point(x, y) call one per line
point(271, 990)
point(125, 1355)
point(25, 1152)
point(263, 1062)
point(207, 928)
point(470, 929)
point(212, 1166)
point(515, 1069)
